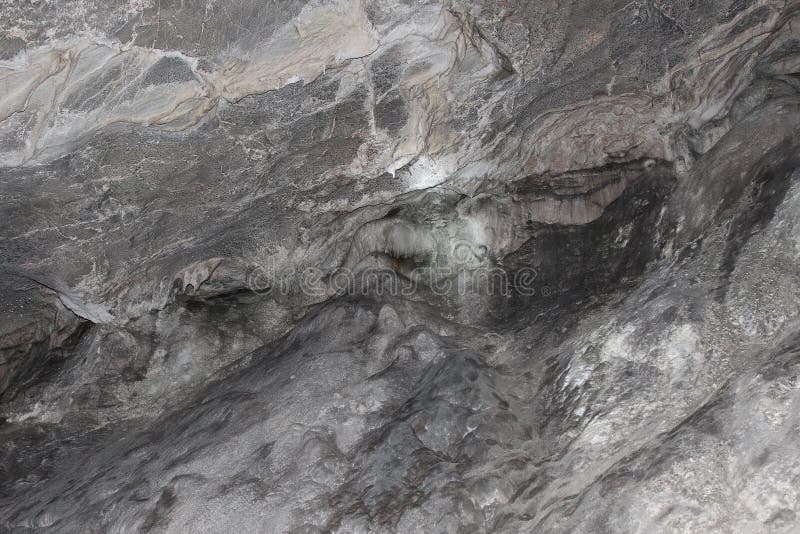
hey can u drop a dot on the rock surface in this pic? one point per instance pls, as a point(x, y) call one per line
point(394, 266)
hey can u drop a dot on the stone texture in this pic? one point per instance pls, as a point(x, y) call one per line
point(366, 265)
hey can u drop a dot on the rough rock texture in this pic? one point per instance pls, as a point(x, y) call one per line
point(429, 266)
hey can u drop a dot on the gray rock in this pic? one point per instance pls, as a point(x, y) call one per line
point(359, 265)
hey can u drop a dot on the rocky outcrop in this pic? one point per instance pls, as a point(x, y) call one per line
point(359, 265)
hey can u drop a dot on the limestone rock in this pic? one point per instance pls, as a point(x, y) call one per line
point(394, 266)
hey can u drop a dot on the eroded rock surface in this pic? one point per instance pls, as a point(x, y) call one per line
point(379, 266)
